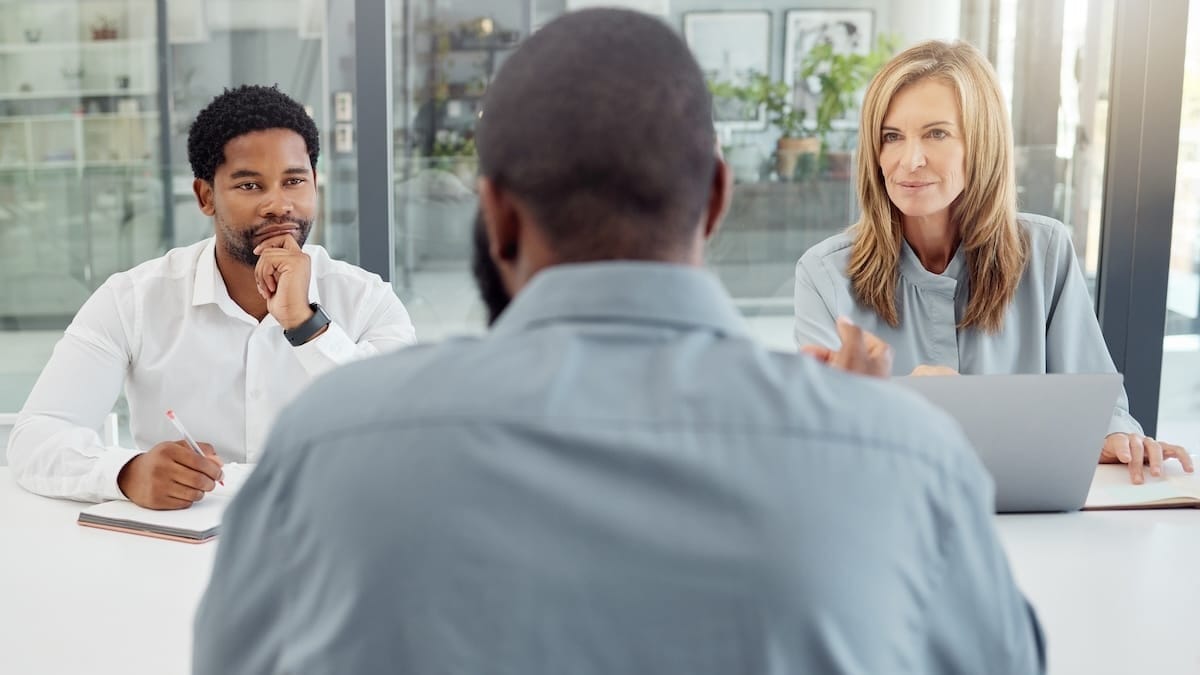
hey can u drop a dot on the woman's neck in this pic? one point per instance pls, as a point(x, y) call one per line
point(934, 239)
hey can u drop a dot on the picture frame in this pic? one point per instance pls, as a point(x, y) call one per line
point(311, 19)
point(655, 7)
point(187, 22)
point(849, 30)
point(730, 46)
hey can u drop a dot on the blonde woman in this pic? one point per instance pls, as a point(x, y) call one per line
point(941, 267)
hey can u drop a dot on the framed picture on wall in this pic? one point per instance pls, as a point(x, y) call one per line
point(730, 47)
point(848, 30)
point(186, 22)
point(656, 7)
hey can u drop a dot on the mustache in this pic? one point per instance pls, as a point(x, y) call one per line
point(274, 222)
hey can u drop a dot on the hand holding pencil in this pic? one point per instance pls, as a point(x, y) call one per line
point(172, 474)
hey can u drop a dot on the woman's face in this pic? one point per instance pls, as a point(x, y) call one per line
point(922, 154)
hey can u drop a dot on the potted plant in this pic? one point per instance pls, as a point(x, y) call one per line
point(796, 137)
point(841, 78)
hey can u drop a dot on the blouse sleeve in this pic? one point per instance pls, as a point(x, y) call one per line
point(816, 318)
point(1074, 342)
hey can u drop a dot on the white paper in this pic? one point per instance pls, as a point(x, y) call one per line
point(1111, 486)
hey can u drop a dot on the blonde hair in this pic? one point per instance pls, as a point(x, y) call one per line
point(985, 212)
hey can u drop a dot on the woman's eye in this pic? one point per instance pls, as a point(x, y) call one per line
point(938, 134)
point(891, 136)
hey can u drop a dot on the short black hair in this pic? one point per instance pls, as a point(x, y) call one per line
point(239, 111)
point(601, 121)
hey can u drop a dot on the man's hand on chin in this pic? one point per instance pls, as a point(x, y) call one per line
point(282, 275)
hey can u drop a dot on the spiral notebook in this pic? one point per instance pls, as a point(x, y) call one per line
point(196, 524)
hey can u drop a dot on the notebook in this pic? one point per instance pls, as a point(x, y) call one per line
point(1111, 488)
point(194, 525)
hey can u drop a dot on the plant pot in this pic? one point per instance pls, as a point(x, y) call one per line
point(840, 164)
point(788, 152)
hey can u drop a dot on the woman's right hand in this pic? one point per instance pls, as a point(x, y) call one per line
point(861, 352)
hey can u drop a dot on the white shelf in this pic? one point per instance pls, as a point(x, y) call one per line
point(58, 165)
point(78, 93)
point(41, 47)
point(71, 117)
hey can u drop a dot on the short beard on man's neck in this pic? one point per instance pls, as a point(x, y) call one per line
point(487, 277)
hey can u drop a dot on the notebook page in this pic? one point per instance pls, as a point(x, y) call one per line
point(199, 517)
point(1111, 486)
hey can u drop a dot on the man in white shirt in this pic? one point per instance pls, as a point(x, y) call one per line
point(225, 332)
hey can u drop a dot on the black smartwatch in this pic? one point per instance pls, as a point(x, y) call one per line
point(305, 331)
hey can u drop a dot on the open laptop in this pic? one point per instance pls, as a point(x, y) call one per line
point(1040, 436)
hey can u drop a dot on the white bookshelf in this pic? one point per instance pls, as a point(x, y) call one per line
point(78, 82)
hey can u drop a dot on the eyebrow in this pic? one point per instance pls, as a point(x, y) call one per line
point(940, 123)
point(247, 173)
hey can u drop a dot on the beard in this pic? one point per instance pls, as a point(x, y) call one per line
point(239, 241)
point(487, 276)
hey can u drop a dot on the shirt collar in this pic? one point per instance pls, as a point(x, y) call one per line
point(624, 291)
point(912, 269)
point(209, 287)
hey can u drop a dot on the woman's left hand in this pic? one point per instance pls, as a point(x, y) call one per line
point(1136, 450)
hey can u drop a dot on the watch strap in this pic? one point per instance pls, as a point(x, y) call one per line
point(305, 331)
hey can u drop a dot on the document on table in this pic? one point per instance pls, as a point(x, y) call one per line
point(196, 524)
point(1111, 488)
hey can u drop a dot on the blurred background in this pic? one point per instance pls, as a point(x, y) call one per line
point(96, 97)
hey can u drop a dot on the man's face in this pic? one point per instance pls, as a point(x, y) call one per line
point(487, 275)
point(264, 188)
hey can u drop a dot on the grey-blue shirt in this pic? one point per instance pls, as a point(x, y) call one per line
point(1050, 327)
point(616, 479)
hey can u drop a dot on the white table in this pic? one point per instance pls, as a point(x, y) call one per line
point(1117, 592)
point(80, 600)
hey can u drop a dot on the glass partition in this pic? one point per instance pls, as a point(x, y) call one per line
point(1052, 55)
point(94, 176)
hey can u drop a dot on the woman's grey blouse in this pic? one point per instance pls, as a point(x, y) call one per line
point(1050, 327)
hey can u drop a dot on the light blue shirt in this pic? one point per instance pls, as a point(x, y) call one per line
point(616, 479)
point(1050, 327)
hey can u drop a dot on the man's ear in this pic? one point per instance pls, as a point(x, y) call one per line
point(204, 196)
point(719, 197)
point(502, 222)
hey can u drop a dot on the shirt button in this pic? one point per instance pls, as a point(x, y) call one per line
point(254, 393)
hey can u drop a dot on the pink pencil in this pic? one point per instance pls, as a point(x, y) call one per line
point(187, 437)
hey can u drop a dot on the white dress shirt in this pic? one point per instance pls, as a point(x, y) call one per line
point(170, 333)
